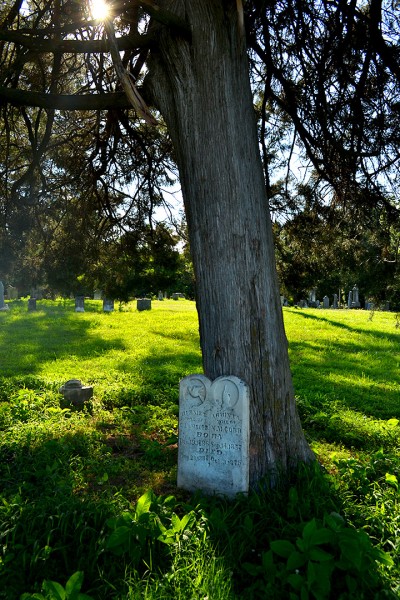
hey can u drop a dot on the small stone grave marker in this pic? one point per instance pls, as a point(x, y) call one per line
point(3, 306)
point(75, 393)
point(213, 454)
point(12, 293)
point(79, 304)
point(108, 305)
point(143, 304)
point(31, 303)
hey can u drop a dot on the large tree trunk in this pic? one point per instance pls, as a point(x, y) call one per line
point(202, 89)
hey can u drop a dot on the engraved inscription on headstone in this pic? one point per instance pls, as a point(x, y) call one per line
point(213, 453)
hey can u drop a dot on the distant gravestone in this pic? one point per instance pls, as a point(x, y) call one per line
point(97, 295)
point(175, 296)
point(335, 301)
point(3, 306)
point(160, 296)
point(32, 304)
point(37, 293)
point(213, 453)
point(12, 293)
point(350, 299)
point(143, 304)
point(356, 301)
point(108, 305)
point(325, 300)
point(79, 304)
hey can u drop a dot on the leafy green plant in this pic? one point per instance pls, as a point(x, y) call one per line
point(328, 560)
point(55, 591)
point(139, 533)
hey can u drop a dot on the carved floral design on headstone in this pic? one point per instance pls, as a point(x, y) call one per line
point(213, 451)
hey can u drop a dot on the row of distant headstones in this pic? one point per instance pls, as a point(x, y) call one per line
point(108, 304)
point(352, 301)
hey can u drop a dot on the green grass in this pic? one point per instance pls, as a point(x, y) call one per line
point(70, 482)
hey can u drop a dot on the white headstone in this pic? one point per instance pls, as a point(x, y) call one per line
point(79, 304)
point(213, 452)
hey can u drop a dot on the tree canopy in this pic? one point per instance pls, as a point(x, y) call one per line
point(325, 78)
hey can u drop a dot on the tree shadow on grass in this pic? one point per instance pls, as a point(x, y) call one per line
point(394, 337)
point(355, 370)
point(29, 340)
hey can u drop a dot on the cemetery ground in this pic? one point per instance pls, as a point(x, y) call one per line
point(89, 505)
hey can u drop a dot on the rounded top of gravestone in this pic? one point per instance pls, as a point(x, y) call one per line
point(72, 384)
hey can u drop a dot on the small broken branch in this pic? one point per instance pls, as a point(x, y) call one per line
point(125, 78)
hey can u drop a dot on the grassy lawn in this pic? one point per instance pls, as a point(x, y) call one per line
point(91, 497)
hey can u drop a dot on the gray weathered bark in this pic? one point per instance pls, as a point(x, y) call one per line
point(202, 89)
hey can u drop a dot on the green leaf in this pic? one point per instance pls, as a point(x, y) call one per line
point(55, 590)
point(74, 583)
point(311, 574)
point(119, 537)
point(248, 524)
point(309, 529)
point(351, 584)
point(391, 479)
point(176, 523)
point(351, 551)
point(296, 581)
point(304, 595)
point(320, 536)
point(392, 422)
point(320, 555)
point(383, 557)
point(144, 503)
point(267, 560)
point(187, 520)
point(282, 548)
point(253, 570)
point(296, 560)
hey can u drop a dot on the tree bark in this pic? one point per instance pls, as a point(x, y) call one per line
point(203, 92)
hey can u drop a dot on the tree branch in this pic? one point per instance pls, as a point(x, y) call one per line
point(166, 17)
point(76, 46)
point(63, 102)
